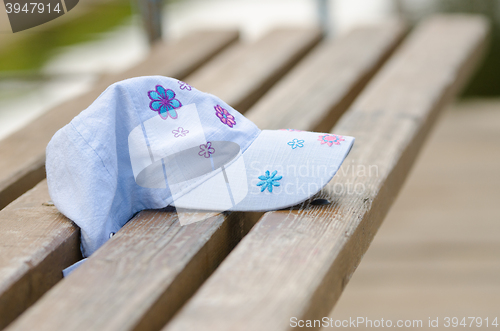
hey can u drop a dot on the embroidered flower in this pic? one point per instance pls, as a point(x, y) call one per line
point(268, 181)
point(330, 139)
point(184, 86)
point(296, 143)
point(291, 130)
point(224, 116)
point(206, 149)
point(164, 102)
point(180, 132)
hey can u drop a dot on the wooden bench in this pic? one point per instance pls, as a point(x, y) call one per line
point(240, 271)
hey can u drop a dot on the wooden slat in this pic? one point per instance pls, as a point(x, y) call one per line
point(228, 76)
point(19, 274)
point(141, 277)
point(327, 81)
point(22, 154)
point(35, 241)
point(438, 250)
point(295, 263)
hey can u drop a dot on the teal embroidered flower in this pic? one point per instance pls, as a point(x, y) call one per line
point(164, 102)
point(291, 130)
point(296, 143)
point(268, 181)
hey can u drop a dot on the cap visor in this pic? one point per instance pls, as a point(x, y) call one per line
point(279, 169)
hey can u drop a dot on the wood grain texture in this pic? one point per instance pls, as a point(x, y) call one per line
point(139, 278)
point(296, 263)
point(438, 251)
point(246, 71)
point(22, 154)
point(326, 82)
point(36, 242)
point(152, 266)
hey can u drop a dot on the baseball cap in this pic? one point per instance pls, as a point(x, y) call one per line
point(152, 142)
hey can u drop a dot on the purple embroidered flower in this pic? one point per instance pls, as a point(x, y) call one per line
point(268, 181)
point(206, 150)
point(180, 132)
point(184, 86)
point(224, 116)
point(296, 143)
point(164, 102)
point(330, 139)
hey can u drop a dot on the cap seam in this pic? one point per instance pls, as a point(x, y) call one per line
point(89, 145)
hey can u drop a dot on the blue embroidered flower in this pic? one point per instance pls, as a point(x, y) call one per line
point(164, 102)
point(268, 181)
point(296, 143)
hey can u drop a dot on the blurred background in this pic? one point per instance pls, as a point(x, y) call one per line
point(438, 252)
point(44, 65)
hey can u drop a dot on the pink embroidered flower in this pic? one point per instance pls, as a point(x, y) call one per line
point(224, 116)
point(180, 132)
point(330, 139)
point(163, 102)
point(184, 86)
point(206, 149)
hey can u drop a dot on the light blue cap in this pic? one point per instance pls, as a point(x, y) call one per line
point(150, 142)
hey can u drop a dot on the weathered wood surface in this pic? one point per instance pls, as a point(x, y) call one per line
point(22, 154)
point(141, 277)
point(242, 74)
point(36, 242)
point(296, 263)
point(438, 251)
point(312, 85)
point(41, 255)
